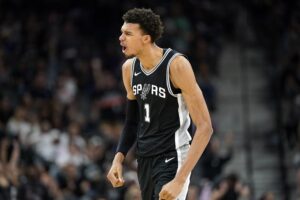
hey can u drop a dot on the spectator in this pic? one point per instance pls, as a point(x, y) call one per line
point(61, 92)
point(267, 196)
point(214, 161)
point(230, 188)
point(9, 170)
point(297, 188)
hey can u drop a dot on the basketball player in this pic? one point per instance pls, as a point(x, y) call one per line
point(162, 93)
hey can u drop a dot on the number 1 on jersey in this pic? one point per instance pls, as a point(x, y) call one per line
point(147, 114)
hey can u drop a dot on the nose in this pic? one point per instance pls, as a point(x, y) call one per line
point(121, 38)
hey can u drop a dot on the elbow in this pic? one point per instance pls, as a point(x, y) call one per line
point(210, 129)
point(205, 128)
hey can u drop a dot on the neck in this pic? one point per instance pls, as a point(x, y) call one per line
point(150, 56)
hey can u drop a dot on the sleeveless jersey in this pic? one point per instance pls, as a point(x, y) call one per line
point(164, 118)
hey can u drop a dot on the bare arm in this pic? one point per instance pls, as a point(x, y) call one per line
point(182, 76)
point(3, 153)
point(15, 155)
point(13, 170)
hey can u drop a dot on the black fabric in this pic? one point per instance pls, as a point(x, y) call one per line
point(158, 108)
point(154, 172)
point(129, 133)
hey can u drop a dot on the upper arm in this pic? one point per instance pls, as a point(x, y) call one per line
point(126, 75)
point(182, 77)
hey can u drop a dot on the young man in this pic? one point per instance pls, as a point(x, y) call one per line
point(162, 92)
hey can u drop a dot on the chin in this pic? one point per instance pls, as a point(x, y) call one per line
point(129, 55)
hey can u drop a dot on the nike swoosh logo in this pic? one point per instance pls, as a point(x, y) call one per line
point(168, 160)
point(136, 74)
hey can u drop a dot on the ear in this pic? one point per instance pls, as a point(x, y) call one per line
point(146, 39)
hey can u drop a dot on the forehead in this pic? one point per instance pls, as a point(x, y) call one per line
point(130, 27)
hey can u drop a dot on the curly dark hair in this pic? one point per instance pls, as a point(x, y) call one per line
point(149, 22)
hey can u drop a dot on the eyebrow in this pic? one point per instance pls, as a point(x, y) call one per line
point(126, 31)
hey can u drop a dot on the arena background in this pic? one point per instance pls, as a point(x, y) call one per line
point(62, 99)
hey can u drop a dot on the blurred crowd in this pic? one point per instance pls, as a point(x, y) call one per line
point(62, 98)
point(277, 28)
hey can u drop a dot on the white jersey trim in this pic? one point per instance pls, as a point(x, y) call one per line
point(168, 75)
point(132, 71)
point(147, 73)
point(182, 135)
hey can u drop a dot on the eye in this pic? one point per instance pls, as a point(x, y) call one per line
point(127, 33)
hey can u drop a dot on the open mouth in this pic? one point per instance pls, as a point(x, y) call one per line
point(123, 47)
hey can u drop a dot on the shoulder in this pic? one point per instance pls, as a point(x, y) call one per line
point(181, 72)
point(126, 73)
point(127, 65)
point(179, 64)
point(126, 69)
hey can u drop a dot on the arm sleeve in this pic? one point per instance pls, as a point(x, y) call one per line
point(129, 133)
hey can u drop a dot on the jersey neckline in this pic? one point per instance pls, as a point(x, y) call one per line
point(149, 72)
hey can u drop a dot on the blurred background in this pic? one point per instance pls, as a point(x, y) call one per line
point(62, 98)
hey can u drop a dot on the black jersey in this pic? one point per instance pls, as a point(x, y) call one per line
point(164, 118)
